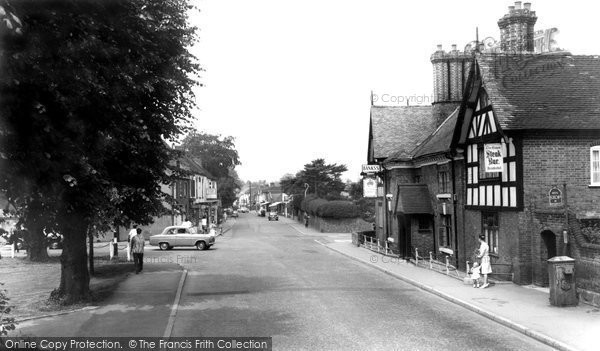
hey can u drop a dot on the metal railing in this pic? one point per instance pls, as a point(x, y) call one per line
point(436, 265)
point(373, 244)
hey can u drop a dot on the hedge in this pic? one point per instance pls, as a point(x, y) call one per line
point(314, 206)
point(338, 209)
point(305, 201)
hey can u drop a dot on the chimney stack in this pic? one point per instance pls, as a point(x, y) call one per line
point(516, 28)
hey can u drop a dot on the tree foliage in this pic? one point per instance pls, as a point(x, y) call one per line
point(89, 91)
point(324, 180)
point(219, 157)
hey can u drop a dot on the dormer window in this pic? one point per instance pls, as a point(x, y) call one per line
point(595, 165)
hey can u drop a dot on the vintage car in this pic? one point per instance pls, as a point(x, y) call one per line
point(182, 236)
point(273, 216)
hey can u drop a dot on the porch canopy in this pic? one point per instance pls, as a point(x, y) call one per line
point(274, 204)
point(413, 199)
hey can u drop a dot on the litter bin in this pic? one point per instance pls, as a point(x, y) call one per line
point(561, 271)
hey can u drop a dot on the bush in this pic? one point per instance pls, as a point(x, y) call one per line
point(314, 205)
point(338, 209)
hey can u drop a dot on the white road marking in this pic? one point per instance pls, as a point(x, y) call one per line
point(175, 306)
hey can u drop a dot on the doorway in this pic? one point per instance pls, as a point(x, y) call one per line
point(404, 236)
point(547, 251)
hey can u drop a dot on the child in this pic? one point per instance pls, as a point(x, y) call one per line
point(475, 274)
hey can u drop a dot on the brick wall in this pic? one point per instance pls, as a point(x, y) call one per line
point(549, 161)
point(552, 161)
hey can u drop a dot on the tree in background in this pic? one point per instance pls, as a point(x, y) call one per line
point(324, 180)
point(89, 91)
point(219, 157)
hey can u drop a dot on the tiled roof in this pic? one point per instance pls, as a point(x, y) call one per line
point(413, 199)
point(193, 166)
point(543, 91)
point(398, 130)
point(440, 140)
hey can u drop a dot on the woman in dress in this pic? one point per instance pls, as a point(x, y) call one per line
point(486, 266)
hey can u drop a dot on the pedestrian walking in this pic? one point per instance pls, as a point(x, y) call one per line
point(476, 274)
point(486, 266)
point(306, 218)
point(137, 248)
point(132, 233)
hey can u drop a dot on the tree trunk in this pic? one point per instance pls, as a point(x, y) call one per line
point(74, 277)
point(36, 243)
point(91, 253)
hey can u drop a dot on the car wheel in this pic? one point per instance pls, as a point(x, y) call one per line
point(201, 245)
point(164, 246)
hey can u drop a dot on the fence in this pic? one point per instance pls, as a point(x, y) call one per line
point(436, 265)
point(373, 244)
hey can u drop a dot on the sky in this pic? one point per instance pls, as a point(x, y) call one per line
point(291, 81)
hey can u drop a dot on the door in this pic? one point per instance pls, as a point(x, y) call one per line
point(404, 235)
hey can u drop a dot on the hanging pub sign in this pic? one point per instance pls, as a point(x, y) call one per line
point(369, 187)
point(555, 197)
point(492, 154)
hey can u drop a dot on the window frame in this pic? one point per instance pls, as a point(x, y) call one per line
point(594, 149)
point(492, 233)
point(445, 234)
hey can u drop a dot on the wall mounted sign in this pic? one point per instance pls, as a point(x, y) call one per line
point(555, 197)
point(492, 154)
point(371, 168)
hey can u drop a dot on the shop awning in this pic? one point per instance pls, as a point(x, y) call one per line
point(413, 199)
point(274, 204)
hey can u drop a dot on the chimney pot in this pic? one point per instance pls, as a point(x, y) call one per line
point(527, 6)
point(439, 47)
point(517, 5)
point(511, 8)
point(453, 47)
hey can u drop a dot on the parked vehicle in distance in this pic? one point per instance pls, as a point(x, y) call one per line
point(173, 236)
point(234, 213)
point(273, 216)
point(244, 210)
point(54, 240)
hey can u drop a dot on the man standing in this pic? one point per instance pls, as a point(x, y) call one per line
point(137, 248)
point(132, 233)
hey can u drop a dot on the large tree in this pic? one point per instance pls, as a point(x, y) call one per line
point(89, 92)
point(323, 180)
point(219, 157)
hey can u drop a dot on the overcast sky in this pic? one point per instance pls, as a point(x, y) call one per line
point(291, 80)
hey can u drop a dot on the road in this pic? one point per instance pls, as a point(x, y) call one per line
point(265, 278)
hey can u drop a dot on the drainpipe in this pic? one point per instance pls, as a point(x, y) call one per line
point(450, 156)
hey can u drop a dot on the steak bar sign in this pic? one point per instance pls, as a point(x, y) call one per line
point(492, 153)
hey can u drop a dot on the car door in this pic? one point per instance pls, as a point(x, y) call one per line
point(170, 237)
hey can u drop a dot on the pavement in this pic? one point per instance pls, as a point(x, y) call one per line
point(524, 309)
